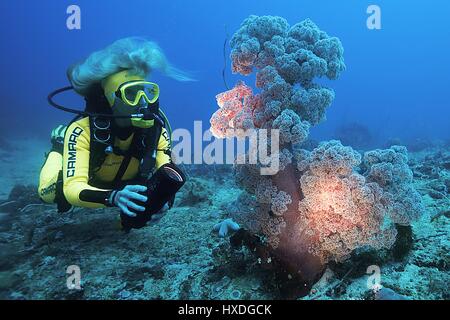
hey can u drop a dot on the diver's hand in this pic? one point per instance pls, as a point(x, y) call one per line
point(226, 226)
point(125, 199)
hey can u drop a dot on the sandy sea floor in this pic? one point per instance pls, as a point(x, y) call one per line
point(179, 257)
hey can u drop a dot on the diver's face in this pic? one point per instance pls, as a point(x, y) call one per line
point(130, 94)
point(120, 108)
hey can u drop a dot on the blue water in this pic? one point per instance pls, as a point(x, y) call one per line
point(396, 83)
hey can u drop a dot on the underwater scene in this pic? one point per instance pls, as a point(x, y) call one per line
point(225, 150)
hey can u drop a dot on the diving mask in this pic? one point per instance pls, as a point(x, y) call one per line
point(132, 92)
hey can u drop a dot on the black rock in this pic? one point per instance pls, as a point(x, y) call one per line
point(404, 242)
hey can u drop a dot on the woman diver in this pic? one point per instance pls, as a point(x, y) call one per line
point(118, 152)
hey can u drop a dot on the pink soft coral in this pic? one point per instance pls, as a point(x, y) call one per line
point(323, 204)
point(340, 211)
point(235, 112)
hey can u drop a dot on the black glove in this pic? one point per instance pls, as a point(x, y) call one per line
point(161, 189)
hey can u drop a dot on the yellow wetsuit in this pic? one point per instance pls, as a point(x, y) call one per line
point(79, 188)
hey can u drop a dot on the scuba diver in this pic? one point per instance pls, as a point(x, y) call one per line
point(117, 152)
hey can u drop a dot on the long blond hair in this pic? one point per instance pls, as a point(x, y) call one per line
point(136, 54)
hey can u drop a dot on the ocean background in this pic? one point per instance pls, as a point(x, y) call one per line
point(396, 82)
